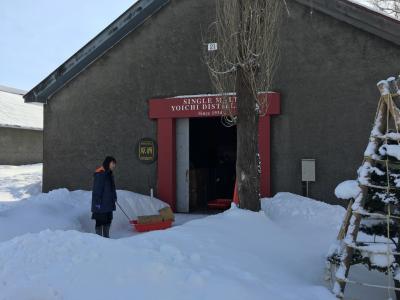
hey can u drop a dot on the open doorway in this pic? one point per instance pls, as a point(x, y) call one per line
point(212, 158)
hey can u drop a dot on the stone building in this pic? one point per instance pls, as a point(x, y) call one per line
point(21, 129)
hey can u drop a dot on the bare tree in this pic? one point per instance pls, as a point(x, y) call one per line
point(246, 34)
point(391, 7)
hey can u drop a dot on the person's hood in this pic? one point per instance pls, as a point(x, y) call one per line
point(100, 169)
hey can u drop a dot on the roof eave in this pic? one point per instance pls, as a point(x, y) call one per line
point(11, 90)
point(131, 19)
point(21, 127)
point(349, 12)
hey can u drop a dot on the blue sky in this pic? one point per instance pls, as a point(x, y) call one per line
point(36, 36)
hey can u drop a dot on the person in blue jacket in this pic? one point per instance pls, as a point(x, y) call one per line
point(104, 196)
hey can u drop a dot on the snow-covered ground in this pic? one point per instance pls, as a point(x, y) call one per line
point(234, 255)
point(28, 210)
point(48, 251)
point(18, 182)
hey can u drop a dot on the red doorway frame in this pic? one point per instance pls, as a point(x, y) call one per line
point(166, 110)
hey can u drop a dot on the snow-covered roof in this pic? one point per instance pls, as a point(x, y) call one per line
point(15, 113)
point(370, 5)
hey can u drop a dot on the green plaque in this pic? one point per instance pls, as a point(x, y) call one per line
point(147, 150)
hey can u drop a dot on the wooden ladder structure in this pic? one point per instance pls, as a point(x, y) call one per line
point(377, 157)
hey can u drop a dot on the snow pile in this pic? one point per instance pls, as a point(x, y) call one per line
point(233, 255)
point(61, 209)
point(375, 132)
point(378, 254)
point(390, 135)
point(18, 182)
point(139, 205)
point(391, 150)
point(396, 179)
point(288, 209)
point(17, 114)
point(377, 248)
point(348, 189)
point(364, 172)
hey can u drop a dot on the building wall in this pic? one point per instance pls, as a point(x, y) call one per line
point(104, 110)
point(20, 146)
point(326, 77)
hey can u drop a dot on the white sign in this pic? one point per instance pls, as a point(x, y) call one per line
point(308, 170)
point(212, 46)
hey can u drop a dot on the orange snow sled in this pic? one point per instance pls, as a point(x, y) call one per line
point(151, 226)
point(155, 222)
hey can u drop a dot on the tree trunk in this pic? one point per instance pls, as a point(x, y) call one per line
point(247, 174)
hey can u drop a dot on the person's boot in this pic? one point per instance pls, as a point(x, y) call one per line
point(106, 231)
point(99, 230)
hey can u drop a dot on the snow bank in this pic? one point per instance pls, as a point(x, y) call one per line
point(348, 189)
point(46, 251)
point(233, 255)
point(61, 209)
point(289, 209)
point(19, 182)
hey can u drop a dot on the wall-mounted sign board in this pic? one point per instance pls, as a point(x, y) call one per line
point(147, 150)
point(212, 46)
point(308, 170)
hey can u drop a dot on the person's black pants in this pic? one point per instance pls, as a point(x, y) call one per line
point(103, 230)
point(103, 223)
